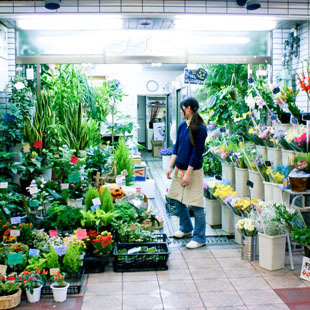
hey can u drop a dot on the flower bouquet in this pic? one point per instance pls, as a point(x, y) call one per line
point(246, 227)
point(222, 192)
point(243, 207)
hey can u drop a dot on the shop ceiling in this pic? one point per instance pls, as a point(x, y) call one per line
point(145, 32)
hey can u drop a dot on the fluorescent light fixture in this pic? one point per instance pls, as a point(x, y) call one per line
point(107, 69)
point(70, 22)
point(224, 23)
point(156, 64)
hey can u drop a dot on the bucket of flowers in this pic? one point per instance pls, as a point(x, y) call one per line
point(166, 157)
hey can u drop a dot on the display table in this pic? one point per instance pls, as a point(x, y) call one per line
point(303, 208)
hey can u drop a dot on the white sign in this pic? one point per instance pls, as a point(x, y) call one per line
point(29, 74)
point(4, 184)
point(305, 269)
point(15, 233)
point(96, 201)
point(64, 186)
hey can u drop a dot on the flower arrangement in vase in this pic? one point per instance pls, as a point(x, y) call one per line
point(246, 227)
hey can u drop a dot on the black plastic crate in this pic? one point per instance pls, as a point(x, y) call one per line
point(158, 238)
point(141, 261)
point(74, 288)
point(93, 264)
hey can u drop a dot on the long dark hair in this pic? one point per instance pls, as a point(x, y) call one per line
point(196, 120)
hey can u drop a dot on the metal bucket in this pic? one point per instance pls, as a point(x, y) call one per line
point(248, 248)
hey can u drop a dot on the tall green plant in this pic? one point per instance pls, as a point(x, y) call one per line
point(123, 160)
point(91, 194)
point(106, 200)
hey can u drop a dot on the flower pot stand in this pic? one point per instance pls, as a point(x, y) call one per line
point(166, 161)
point(228, 173)
point(257, 192)
point(213, 211)
point(271, 251)
point(268, 191)
point(262, 150)
point(287, 157)
point(227, 219)
point(241, 177)
point(274, 155)
point(237, 233)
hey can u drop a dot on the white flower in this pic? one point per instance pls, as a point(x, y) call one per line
point(19, 85)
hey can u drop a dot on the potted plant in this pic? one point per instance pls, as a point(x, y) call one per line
point(32, 282)
point(212, 205)
point(59, 287)
point(166, 157)
point(248, 232)
point(10, 292)
point(71, 260)
point(75, 194)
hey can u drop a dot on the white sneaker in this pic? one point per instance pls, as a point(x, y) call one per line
point(180, 234)
point(194, 245)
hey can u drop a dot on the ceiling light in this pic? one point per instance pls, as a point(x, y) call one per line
point(52, 4)
point(241, 2)
point(252, 5)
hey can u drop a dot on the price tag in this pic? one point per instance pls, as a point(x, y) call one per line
point(250, 184)
point(74, 177)
point(3, 269)
point(26, 148)
point(218, 177)
point(305, 269)
point(60, 250)
point(134, 250)
point(133, 227)
point(268, 163)
point(74, 160)
point(4, 184)
point(120, 179)
point(53, 233)
point(15, 232)
point(15, 220)
point(93, 208)
point(81, 234)
point(29, 74)
point(34, 203)
point(34, 252)
point(37, 144)
point(54, 271)
point(96, 201)
point(15, 258)
point(64, 186)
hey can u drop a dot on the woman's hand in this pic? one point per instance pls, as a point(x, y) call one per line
point(168, 173)
point(186, 179)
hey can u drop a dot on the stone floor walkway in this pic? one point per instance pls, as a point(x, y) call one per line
point(212, 278)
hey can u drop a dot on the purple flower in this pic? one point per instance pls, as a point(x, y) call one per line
point(166, 151)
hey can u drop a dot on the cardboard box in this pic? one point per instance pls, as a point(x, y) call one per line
point(140, 172)
point(147, 187)
point(136, 159)
point(156, 147)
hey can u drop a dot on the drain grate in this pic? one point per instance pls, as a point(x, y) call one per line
point(211, 241)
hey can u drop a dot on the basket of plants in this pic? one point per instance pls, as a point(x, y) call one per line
point(140, 257)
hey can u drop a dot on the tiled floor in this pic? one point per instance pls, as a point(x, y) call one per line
point(212, 278)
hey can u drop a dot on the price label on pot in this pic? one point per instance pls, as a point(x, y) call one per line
point(53, 233)
point(305, 269)
point(29, 74)
point(34, 252)
point(4, 184)
point(81, 234)
point(15, 233)
point(54, 271)
point(60, 250)
point(15, 220)
point(33, 190)
point(96, 201)
point(3, 269)
point(64, 186)
point(15, 258)
point(34, 203)
point(26, 148)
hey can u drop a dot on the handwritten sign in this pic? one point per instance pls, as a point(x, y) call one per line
point(34, 252)
point(64, 186)
point(15, 233)
point(34, 203)
point(4, 185)
point(60, 250)
point(305, 269)
point(96, 201)
point(74, 160)
point(54, 271)
point(74, 177)
point(15, 220)
point(26, 148)
point(3, 269)
point(37, 144)
point(93, 208)
point(15, 258)
point(53, 233)
point(81, 234)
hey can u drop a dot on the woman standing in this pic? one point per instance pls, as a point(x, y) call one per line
point(187, 183)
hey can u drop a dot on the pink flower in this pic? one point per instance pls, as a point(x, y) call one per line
point(260, 103)
point(72, 185)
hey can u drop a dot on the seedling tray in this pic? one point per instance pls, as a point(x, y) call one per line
point(125, 262)
point(158, 237)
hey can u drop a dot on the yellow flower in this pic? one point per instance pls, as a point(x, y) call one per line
point(251, 130)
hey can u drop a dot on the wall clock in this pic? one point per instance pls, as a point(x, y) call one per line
point(152, 86)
